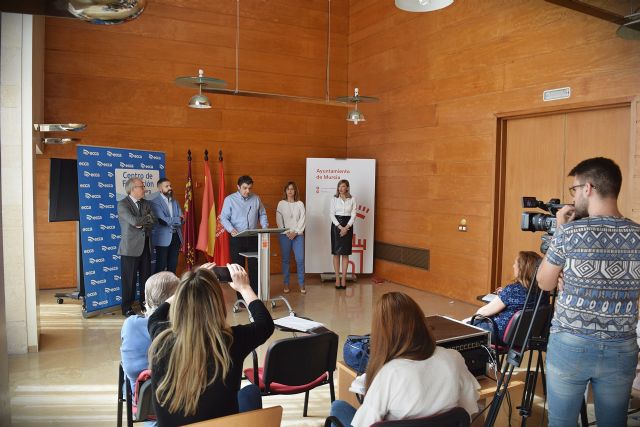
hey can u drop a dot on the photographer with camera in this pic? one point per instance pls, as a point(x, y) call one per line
point(595, 256)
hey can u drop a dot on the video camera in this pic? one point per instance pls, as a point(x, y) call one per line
point(535, 221)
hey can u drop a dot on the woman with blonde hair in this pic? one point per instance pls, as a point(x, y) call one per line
point(343, 215)
point(196, 357)
point(511, 298)
point(290, 214)
point(408, 376)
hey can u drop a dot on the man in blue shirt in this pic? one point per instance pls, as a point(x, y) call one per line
point(242, 211)
point(595, 253)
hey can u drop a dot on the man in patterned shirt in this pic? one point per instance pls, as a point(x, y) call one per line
point(594, 259)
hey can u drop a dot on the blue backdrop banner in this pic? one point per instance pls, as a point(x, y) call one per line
point(102, 173)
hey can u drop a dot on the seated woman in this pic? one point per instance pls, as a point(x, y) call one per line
point(512, 297)
point(408, 376)
point(135, 339)
point(196, 357)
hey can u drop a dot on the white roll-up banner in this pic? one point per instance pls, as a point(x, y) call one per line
point(323, 176)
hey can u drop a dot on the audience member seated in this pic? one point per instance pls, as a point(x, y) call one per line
point(408, 376)
point(135, 340)
point(512, 297)
point(196, 357)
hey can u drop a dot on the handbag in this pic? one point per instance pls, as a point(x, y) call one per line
point(356, 352)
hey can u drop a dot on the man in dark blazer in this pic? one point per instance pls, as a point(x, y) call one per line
point(167, 232)
point(136, 222)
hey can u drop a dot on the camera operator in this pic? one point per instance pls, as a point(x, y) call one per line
point(593, 333)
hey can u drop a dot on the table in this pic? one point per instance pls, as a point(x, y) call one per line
point(346, 375)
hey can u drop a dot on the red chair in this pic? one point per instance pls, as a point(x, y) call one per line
point(455, 417)
point(297, 365)
point(511, 336)
point(139, 402)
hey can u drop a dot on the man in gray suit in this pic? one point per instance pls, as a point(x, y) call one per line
point(136, 222)
point(167, 233)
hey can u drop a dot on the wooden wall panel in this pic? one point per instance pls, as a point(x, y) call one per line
point(119, 80)
point(442, 79)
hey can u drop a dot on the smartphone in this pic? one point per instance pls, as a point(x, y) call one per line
point(222, 273)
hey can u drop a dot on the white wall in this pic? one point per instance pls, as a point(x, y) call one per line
point(17, 163)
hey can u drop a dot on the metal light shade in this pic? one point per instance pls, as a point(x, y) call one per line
point(199, 101)
point(106, 12)
point(422, 5)
point(355, 116)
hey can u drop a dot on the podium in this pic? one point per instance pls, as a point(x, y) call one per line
point(264, 267)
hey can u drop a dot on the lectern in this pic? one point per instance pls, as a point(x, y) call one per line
point(264, 270)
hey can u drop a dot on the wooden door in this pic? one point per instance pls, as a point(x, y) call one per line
point(539, 153)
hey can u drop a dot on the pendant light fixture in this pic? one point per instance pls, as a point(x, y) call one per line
point(199, 100)
point(355, 116)
point(422, 5)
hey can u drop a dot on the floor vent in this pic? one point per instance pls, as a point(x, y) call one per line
point(413, 257)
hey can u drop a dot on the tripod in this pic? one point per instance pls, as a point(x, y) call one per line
point(531, 333)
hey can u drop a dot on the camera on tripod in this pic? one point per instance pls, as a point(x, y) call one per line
point(536, 221)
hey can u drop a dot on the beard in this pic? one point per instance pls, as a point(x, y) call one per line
point(168, 194)
point(582, 210)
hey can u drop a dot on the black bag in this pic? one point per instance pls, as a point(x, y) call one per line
point(356, 352)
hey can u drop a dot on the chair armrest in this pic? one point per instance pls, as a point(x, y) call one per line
point(332, 421)
point(495, 339)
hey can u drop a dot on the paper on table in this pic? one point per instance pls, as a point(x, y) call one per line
point(297, 323)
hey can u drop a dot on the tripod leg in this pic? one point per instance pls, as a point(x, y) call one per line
point(502, 388)
point(584, 418)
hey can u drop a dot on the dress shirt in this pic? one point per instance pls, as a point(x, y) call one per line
point(340, 207)
point(291, 216)
point(135, 202)
point(168, 203)
point(242, 213)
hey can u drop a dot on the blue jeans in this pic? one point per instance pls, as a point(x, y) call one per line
point(249, 398)
point(573, 361)
point(343, 411)
point(286, 246)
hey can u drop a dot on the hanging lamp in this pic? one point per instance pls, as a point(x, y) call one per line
point(422, 5)
point(355, 116)
point(199, 100)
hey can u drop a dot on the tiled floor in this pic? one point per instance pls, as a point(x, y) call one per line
point(72, 380)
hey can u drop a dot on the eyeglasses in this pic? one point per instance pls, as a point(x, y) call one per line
point(138, 186)
point(572, 189)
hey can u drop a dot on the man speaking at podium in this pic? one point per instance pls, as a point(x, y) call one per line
point(241, 211)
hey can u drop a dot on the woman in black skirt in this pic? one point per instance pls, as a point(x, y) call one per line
point(343, 214)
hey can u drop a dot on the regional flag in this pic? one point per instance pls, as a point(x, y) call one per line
point(188, 228)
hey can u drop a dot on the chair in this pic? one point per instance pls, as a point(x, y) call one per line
point(296, 365)
point(515, 336)
point(455, 417)
point(139, 403)
point(267, 417)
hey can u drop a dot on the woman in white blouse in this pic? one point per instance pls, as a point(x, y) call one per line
point(408, 376)
point(290, 215)
point(343, 214)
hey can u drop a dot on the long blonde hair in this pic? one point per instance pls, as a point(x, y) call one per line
point(198, 337)
point(527, 264)
point(398, 330)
